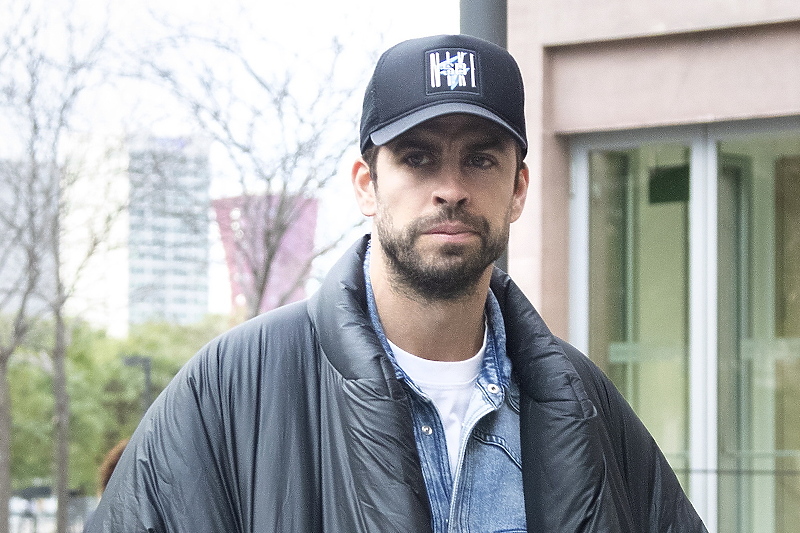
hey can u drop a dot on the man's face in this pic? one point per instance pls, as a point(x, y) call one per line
point(444, 196)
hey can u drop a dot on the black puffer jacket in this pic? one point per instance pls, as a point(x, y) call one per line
point(295, 422)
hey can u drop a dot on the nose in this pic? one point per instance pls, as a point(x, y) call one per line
point(450, 188)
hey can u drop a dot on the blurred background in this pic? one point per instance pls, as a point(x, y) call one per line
point(170, 169)
point(167, 170)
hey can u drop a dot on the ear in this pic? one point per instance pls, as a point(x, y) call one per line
point(363, 187)
point(520, 192)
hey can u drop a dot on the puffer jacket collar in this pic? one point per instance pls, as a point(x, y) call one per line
point(564, 463)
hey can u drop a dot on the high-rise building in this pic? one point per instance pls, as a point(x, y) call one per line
point(168, 230)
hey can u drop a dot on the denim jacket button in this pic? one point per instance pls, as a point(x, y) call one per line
point(492, 388)
point(427, 430)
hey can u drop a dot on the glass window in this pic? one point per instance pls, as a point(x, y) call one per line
point(759, 333)
point(638, 279)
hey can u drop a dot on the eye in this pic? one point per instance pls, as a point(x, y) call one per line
point(417, 159)
point(481, 161)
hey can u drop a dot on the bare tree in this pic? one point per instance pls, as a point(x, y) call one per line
point(20, 270)
point(47, 66)
point(20, 260)
point(284, 123)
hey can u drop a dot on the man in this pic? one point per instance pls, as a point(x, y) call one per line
point(418, 390)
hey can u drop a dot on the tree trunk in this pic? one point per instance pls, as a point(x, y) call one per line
point(61, 423)
point(5, 444)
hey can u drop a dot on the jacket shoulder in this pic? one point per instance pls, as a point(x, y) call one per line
point(656, 500)
point(597, 385)
point(192, 463)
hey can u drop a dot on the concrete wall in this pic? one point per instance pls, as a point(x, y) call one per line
point(602, 65)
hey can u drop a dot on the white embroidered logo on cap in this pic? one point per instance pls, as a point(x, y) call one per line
point(452, 70)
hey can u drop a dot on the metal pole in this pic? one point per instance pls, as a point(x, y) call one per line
point(147, 393)
point(487, 19)
point(146, 363)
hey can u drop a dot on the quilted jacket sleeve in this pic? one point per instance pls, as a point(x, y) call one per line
point(168, 478)
point(232, 443)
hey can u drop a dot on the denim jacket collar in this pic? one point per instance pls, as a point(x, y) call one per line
point(496, 366)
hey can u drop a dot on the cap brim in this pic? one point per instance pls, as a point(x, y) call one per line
point(390, 131)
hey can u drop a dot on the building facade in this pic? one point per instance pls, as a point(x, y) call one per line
point(255, 247)
point(168, 240)
point(665, 177)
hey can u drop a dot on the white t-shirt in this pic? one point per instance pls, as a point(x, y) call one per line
point(449, 385)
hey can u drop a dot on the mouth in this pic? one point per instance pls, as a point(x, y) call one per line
point(450, 228)
point(452, 232)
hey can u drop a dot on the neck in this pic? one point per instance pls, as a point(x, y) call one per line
point(439, 330)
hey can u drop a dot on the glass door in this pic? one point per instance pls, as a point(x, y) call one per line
point(638, 284)
point(759, 333)
point(685, 290)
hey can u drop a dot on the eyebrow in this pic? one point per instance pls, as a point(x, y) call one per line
point(493, 142)
point(415, 141)
point(411, 141)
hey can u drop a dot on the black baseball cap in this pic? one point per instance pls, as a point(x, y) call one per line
point(419, 79)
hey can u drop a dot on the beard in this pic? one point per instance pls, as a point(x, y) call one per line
point(450, 272)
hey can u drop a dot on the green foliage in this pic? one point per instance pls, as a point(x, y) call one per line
point(32, 411)
point(105, 395)
point(170, 346)
point(104, 404)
